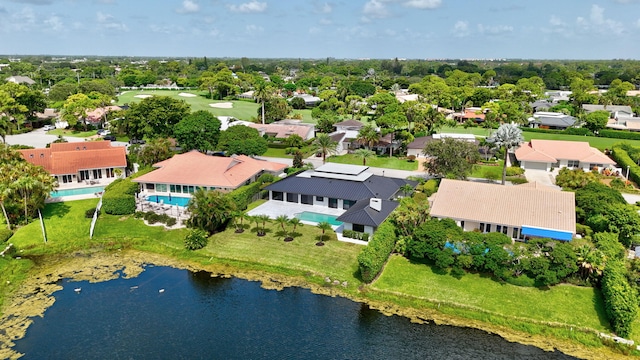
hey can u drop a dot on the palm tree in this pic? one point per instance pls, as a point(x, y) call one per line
point(5, 193)
point(406, 189)
point(261, 93)
point(237, 217)
point(210, 210)
point(264, 219)
point(325, 145)
point(364, 154)
point(368, 136)
point(507, 136)
point(295, 222)
point(324, 226)
point(282, 220)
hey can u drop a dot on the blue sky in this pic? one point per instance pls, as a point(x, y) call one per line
point(415, 29)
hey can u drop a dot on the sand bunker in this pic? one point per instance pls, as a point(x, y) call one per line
point(143, 96)
point(224, 105)
point(187, 95)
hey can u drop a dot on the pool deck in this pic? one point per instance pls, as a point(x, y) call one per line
point(273, 209)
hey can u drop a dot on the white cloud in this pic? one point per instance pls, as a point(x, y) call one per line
point(423, 4)
point(23, 20)
point(461, 29)
point(188, 7)
point(315, 30)
point(54, 23)
point(250, 7)
point(325, 21)
point(253, 29)
point(323, 8)
point(166, 29)
point(598, 23)
point(375, 9)
point(495, 29)
point(107, 21)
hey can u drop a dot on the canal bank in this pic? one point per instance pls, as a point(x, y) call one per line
point(34, 296)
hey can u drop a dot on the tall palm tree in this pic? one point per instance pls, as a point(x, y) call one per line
point(324, 226)
point(325, 145)
point(264, 219)
point(283, 221)
point(507, 136)
point(5, 194)
point(368, 136)
point(261, 93)
point(364, 154)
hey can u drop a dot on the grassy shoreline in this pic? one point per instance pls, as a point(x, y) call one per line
point(276, 264)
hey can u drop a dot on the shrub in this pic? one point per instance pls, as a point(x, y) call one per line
point(514, 170)
point(243, 196)
point(89, 213)
point(617, 184)
point(195, 239)
point(620, 153)
point(579, 131)
point(372, 258)
point(5, 234)
point(171, 221)
point(517, 180)
point(138, 214)
point(620, 300)
point(430, 187)
point(118, 198)
point(411, 158)
point(619, 134)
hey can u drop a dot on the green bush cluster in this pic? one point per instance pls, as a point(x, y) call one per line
point(580, 131)
point(152, 218)
point(621, 303)
point(119, 197)
point(5, 234)
point(373, 257)
point(538, 130)
point(243, 196)
point(89, 213)
point(514, 170)
point(196, 239)
point(355, 235)
point(515, 180)
point(429, 187)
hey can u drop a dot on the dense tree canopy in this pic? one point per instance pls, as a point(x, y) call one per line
point(199, 130)
point(155, 117)
point(242, 140)
point(451, 158)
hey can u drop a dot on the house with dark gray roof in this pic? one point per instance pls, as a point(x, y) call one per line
point(366, 215)
point(551, 120)
point(341, 186)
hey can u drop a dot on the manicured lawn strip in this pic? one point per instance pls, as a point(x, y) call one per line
point(478, 131)
point(377, 161)
point(277, 153)
point(482, 171)
point(72, 133)
point(576, 306)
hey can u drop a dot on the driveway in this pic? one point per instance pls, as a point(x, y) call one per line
point(541, 176)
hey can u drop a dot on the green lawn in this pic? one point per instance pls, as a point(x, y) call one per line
point(566, 304)
point(487, 171)
point(596, 142)
point(243, 110)
point(278, 153)
point(74, 133)
point(377, 161)
point(478, 131)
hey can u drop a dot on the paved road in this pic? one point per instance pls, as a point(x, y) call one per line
point(375, 170)
point(39, 138)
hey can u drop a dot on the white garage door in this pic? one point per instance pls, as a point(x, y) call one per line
point(529, 165)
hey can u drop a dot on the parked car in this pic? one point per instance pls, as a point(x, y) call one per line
point(103, 132)
point(48, 127)
point(109, 137)
point(136, 141)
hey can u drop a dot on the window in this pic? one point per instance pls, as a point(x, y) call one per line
point(488, 229)
point(97, 174)
point(161, 187)
point(277, 195)
point(150, 186)
point(109, 172)
point(292, 197)
point(573, 163)
point(346, 204)
point(333, 203)
point(306, 199)
point(84, 175)
point(172, 188)
point(319, 198)
point(66, 178)
point(515, 233)
point(481, 227)
point(192, 189)
point(498, 228)
point(462, 224)
point(504, 230)
point(357, 227)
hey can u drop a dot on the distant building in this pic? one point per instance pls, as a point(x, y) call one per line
point(546, 154)
point(551, 120)
point(20, 80)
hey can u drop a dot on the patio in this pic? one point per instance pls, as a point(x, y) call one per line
point(179, 213)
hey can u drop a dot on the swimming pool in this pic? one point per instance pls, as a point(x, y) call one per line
point(318, 218)
point(174, 200)
point(78, 191)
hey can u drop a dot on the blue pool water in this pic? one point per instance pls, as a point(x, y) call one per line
point(318, 218)
point(78, 191)
point(174, 200)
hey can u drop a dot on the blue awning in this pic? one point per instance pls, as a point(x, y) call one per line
point(547, 233)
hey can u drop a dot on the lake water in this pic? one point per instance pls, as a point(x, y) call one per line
point(200, 317)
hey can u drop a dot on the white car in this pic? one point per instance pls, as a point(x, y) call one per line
point(48, 127)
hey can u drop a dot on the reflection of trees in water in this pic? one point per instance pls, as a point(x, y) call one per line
point(208, 285)
point(367, 315)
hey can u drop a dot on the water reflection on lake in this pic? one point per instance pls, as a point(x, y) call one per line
point(167, 313)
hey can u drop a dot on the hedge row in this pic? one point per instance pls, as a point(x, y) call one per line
point(620, 301)
point(243, 196)
point(620, 154)
point(373, 257)
point(119, 197)
point(619, 134)
point(355, 235)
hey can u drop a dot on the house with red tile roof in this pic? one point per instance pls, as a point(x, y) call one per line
point(282, 130)
point(184, 173)
point(528, 210)
point(546, 154)
point(80, 162)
